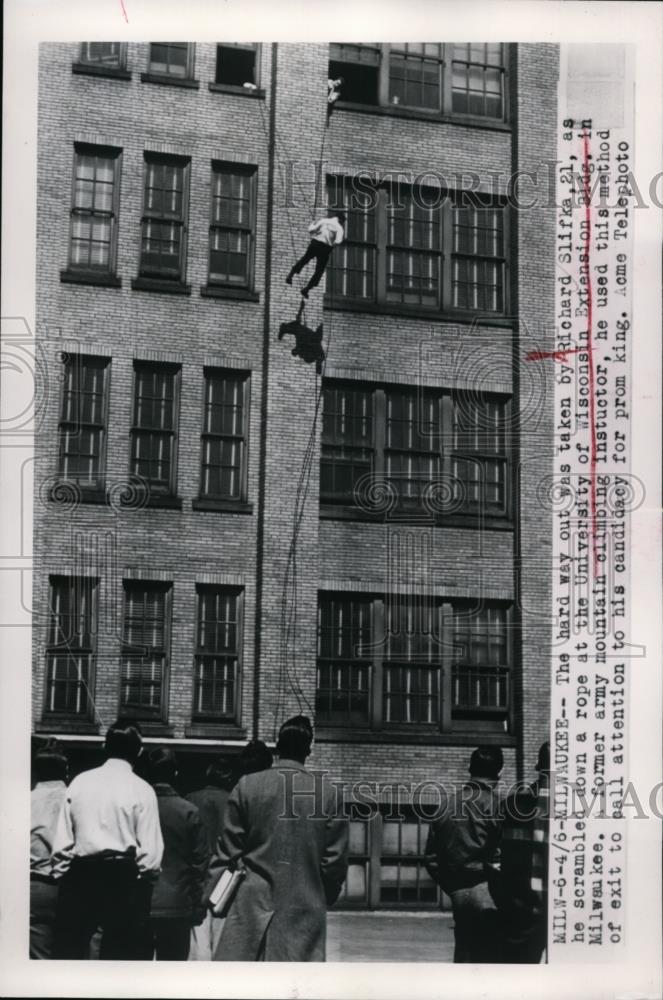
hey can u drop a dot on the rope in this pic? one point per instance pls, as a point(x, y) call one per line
point(288, 673)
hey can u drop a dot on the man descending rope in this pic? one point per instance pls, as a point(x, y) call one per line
point(325, 235)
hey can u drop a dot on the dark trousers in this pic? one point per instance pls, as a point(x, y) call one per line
point(43, 904)
point(169, 939)
point(107, 894)
point(524, 940)
point(320, 253)
point(476, 925)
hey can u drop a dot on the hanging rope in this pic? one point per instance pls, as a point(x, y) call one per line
point(288, 672)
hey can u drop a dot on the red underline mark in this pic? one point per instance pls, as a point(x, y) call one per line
point(586, 267)
point(124, 13)
point(555, 355)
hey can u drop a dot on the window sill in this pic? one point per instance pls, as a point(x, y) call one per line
point(70, 725)
point(398, 111)
point(169, 81)
point(114, 72)
point(162, 500)
point(229, 88)
point(59, 494)
point(420, 735)
point(222, 506)
point(215, 730)
point(150, 727)
point(223, 292)
point(341, 512)
point(392, 309)
point(166, 285)
point(90, 278)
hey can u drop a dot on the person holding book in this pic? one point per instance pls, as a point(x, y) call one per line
point(281, 826)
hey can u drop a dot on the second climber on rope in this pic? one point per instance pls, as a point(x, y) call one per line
point(325, 235)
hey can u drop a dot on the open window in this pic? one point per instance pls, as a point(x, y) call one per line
point(236, 64)
point(359, 65)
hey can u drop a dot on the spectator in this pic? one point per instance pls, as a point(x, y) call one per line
point(283, 827)
point(47, 801)
point(107, 849)
point(211, 804)
point(462, 852)
point(177, 899)
point(256, 756)
point(522, 887)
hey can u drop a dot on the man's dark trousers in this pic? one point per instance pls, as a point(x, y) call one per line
point(170, 939)
point(105, 893)
point(320, 252)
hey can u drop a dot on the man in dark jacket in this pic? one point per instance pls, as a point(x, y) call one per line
point(462, 854)
point(177, 899)
point(282, 825)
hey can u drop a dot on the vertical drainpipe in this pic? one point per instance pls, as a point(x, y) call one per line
point(517, 429)
point(262, 458)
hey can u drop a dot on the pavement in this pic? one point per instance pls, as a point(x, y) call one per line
point(388, 936)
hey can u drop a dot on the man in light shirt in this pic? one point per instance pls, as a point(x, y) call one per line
point(325, 235)
point(107, 851)
point(46, 804)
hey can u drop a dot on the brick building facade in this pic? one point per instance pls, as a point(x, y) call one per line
point(175, 424)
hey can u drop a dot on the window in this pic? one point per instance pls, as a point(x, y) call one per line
point(465, 80)
point(163, 228)
point(359, 65)
point(154, 430)
point(416, 443)
point(231, 238)
point(399, 240)
point(82, 430)
point(109, 55)
point(480, 671)
point(236, 64)
point(480, 457)
point(171, 59)
point(412, 663)
point(477, 86)
point(217, 661)
point(71, 644)
point(93, 232)
point(415, 75)
point(386, 862)
point(225, 435)
point(145, 648)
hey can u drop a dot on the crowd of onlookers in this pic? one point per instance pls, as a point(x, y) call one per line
point(123, 868)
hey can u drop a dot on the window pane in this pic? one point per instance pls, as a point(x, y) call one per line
point(82, 427)
point(92, 216)
point(154, 420)
point(162, 231)
point(347, 441)
point(343, 680)
point(144, 648)
point(223, 439)
point(169, 58)
point(102, 54)
point(480, 670)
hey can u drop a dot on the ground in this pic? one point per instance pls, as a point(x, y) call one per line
point(389, 937)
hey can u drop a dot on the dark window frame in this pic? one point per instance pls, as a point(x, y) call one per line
point(168, 76)
point(165, 368)
point(89, 270)
point(243, 378)
point(138, 652)
point(77, 425)
point(384, 77)
point(249, 171)
point(373, 221)
point(372, 449)
point(232, 717)
point(64, 648)
point(440, 659)
point(120, 62)
point(163, 274)
point(253, 47)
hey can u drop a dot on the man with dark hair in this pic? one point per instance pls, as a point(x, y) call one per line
point(49, 771)
point(521, 890)
point(462, 852)
point(108, 850)
point(177, 898)
point(256, 756)
point(211, 804)
point(282, 826)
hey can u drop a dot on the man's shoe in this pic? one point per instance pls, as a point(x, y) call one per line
point(288, 280)
point(304, 293)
